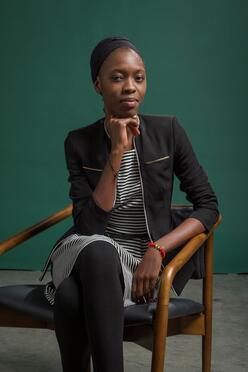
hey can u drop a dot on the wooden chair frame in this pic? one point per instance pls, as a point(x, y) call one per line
point(198, 324)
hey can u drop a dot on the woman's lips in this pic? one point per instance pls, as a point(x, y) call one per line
point(129, 103)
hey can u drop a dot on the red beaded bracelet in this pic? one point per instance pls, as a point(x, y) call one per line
point(160, 248)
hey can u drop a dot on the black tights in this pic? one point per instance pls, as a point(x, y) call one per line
point(88, 311)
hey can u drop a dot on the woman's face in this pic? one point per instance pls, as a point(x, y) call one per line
point(122, 82)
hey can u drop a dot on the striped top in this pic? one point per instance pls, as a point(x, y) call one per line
point(127, 217)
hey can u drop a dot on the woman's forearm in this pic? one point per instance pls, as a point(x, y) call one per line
point(182, 233)
point(105, 191)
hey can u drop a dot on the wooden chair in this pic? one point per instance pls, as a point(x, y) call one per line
point(148, 325)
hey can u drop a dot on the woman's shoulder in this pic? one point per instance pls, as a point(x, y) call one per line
point(88, 128)
point(85, 136)
point(165, 123)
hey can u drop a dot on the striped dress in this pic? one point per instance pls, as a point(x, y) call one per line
point(126, 231)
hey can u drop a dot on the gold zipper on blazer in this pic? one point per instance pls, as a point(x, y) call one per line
point(94, 169)
point(156, 160)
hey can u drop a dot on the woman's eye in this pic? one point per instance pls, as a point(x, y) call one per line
point(140, 78)
point(116, 78)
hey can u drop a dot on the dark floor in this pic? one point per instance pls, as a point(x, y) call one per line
point(24, 350)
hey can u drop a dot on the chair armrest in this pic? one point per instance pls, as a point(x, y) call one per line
point(179, 261)
point(33, 230)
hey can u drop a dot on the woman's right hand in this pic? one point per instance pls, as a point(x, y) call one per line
point(122, 130)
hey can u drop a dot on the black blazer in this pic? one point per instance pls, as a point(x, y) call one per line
point(163, 150)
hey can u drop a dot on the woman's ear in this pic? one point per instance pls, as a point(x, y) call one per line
point(97, 85)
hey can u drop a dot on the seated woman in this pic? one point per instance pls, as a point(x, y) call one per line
point(121, 173)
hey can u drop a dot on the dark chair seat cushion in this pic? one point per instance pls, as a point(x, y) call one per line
point(30, 300)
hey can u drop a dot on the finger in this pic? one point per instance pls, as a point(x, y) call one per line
point(149, 291)
point(124, 122)
point(146, 286)
point(134, 131)
point(153, 283)
point(132, 125)
point(133, 291)
point(134, 128)
point(136, 117)
point(151, 294)
point(131, 121)
point(140, 288)
point(148, 296)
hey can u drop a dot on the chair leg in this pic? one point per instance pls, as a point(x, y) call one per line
point(207, 342)
point(208, 303)
point(206, 349)
point(159, 339)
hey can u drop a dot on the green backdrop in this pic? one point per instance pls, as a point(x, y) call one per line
point(196, 58)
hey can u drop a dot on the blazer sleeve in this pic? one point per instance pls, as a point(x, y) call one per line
point(88, 217)
point(193, 179)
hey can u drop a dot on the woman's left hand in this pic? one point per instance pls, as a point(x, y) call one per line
point(146, 275)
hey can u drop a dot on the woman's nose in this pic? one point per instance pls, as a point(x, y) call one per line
point(129, 86)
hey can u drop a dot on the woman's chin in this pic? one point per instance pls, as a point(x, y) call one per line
point(128, 113)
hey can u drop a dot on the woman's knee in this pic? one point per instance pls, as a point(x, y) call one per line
point(98, 264)
point(99, 254)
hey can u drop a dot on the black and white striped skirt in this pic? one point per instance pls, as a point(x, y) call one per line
point(64, 258)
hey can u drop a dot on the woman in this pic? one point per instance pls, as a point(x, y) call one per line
point(121, 172)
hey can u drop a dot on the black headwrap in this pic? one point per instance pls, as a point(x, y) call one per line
point(104, 48)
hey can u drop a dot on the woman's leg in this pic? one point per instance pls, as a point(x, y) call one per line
point(99, 271)
point(70, 326)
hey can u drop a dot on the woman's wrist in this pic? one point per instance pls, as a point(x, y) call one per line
point(158, 247)
point(117, 152)
point(114, 162)
point(115, 173)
